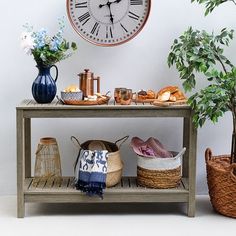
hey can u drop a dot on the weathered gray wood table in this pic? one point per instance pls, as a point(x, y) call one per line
point(127, 190)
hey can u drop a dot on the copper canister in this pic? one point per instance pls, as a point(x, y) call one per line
point(86, 83)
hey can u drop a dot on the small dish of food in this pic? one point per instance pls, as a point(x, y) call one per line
point(72, 93)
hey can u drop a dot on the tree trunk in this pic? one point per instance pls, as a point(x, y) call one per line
point(233, 146)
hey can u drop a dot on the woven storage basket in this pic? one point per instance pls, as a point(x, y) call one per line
point(221, 183)
point(160, 172)
point(114, 162)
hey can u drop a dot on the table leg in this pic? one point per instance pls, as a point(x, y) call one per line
point(186, 134)
point(27, 147)
point(192, 168)
point(20, 164)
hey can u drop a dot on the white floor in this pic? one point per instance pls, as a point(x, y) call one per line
point(112, 220)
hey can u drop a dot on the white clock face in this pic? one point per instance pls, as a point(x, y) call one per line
point(108, 22)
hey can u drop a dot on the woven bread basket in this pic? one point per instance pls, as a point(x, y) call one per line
point(114, 161)
point(221, 183)
point(160, 173)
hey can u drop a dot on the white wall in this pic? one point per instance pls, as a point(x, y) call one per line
point(138, 64)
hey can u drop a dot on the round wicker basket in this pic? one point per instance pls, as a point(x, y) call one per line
point(114, 177)
point(221, 183)
point(160, 173)
point(114, 162)
point(159, 178)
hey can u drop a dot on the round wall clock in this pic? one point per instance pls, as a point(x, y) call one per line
point(108, 22)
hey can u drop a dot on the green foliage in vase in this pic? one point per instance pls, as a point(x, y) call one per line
point(212, 4)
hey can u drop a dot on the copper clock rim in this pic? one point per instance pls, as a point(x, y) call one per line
point(104, 44)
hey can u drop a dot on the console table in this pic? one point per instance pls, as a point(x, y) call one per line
point(125, 192)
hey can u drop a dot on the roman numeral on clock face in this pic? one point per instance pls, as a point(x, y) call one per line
point(136, 2)
point(95, 29)
point(122, 26)
point(84, 18)
point(81, 5)
point(133, 16)
point(109, 32)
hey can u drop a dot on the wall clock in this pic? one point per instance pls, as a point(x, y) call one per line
point(108, 22)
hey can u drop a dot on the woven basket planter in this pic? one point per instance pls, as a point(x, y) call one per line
point(221, 183)
point(160, 173)
point(114, 161)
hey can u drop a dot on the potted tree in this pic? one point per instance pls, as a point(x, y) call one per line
point(198, 52)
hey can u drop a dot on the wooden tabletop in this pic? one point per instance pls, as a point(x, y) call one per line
point(29, 104)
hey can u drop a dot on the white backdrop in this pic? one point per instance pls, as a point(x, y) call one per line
point(141, 63)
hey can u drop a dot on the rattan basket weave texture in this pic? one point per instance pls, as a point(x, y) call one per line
point(221, 183)
point(159, 178)
point(160, 173)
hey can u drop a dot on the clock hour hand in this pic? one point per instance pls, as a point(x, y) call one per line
point(117, 1)
point(102, 5)
point(109, 3)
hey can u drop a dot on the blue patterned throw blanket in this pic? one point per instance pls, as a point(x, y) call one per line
point(91, 171)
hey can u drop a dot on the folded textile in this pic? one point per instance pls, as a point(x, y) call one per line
point(91, 171)
point(150, 148)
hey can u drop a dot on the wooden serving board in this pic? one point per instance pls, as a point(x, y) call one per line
point(167, 104)
point(144, 100)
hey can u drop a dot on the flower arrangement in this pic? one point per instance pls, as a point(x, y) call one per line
point(46, 50)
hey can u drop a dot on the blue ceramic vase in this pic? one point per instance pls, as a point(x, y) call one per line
point(44, 87)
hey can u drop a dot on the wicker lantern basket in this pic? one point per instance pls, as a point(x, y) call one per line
point(47, 163)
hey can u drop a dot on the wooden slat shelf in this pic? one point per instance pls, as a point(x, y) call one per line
point(127, 184)
point(31, 190)
point(127, 190)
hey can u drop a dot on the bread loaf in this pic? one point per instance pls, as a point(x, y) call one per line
point(179, 95)
point(164, 97)
point(170, 89)
point(170, 93)
point(151, 94)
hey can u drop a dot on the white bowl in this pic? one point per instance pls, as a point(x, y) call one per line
point(72, 96)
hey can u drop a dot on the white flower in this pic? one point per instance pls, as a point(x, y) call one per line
point(27, 42)
point(48, 40)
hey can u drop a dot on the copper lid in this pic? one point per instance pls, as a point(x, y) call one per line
point(86, 74)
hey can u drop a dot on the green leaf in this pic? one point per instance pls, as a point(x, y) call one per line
point(74, 46)
point(210, 5)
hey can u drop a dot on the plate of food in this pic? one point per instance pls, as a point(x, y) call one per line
point(145, 96)
point(72, 95)
point(170, 96)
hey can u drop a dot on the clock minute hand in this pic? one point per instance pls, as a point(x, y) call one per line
point(109, 6)
point(111, 16)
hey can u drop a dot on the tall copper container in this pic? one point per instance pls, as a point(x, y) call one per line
point(86, 83)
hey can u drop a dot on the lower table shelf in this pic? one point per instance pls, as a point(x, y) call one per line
point(54, 191)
